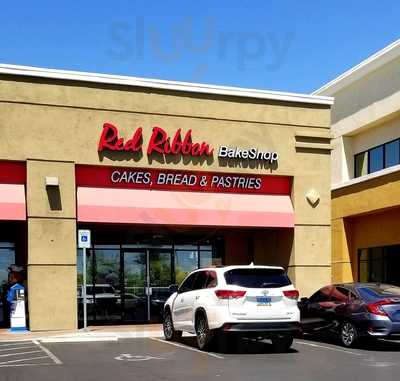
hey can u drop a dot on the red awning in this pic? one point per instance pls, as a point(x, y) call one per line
point(12, 202)
point(137, 206)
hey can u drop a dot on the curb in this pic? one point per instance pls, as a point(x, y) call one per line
point(82, 337)
point(77, 339)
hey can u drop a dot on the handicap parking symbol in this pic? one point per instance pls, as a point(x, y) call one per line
point(130, 357)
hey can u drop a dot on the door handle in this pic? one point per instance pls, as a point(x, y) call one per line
point(149, 291)
point(197, 297)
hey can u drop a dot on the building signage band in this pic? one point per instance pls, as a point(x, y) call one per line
point(12, 172)
point(180, 143)
point(177, 180)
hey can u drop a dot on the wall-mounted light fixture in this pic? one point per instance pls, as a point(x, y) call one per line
point(53, 192)
point(52, 181)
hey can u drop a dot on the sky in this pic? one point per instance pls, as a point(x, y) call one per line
point(283, 45)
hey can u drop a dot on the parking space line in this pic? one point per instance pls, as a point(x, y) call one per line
point(14, 349)
point(187, 347)
point(20, 365)
point(16, 343)
point(330, 348)
point(20, 360)
point(48, 353)
point(18, 353)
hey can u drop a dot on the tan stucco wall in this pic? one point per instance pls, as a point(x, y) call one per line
point(52, 304)
point(55, 125)
point(368, 196)
point(363, 215)
point(52, 202)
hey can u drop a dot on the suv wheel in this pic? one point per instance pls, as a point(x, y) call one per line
point(203, 334)
point(348, 334)
point(168, 327)
point(282, 343)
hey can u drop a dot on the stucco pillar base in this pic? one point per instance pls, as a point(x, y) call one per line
point(52, 275)
point(310, 262)
point(341, 251)
point(52, 305)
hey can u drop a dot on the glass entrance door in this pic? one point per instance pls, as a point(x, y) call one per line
point(134, 296)
point(147, 275)
point(160, 278)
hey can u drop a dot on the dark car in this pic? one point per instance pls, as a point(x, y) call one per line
point(353, 311)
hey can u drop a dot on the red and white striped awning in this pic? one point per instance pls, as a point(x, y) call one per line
point(12, 202)
point(138, 206)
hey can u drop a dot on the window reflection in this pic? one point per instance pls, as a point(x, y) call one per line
point(209, 258)
point(377, 158)
point(185, 262)
point(392, 153)
point(107, 289)
point(117, 288)
point(380, 264)
point(361, 164)
point(7, 258)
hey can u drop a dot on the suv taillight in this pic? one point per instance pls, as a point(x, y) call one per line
point(375, 308)
point(291, 294)
point(229, 294)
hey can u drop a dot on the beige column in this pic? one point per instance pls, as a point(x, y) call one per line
point(52, 282)
point(341, 251)
point(310, 260)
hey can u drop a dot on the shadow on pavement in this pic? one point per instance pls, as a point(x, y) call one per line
point(240, 346)
point(369, 344)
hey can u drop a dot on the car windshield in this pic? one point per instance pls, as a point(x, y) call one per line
point(257, 278)
point(378, 291)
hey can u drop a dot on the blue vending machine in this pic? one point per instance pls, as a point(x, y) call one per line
point(16, 298)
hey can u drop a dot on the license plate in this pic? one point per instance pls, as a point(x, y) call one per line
point(263, 301)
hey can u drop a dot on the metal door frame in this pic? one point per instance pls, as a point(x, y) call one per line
point(147, 285)
point(172, 273)
point(122, 277)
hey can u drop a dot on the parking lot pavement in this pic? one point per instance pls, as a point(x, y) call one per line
point(25, 354)
point(151, 359)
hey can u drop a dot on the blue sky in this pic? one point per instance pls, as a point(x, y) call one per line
point(282, 45)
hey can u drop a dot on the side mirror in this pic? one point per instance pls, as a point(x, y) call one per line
point(173, 288)
point(304, 300)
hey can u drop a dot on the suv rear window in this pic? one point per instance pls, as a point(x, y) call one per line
point(257, 278)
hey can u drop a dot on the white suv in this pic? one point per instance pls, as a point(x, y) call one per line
point(251, 300)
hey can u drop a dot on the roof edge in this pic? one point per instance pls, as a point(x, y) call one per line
point(381, 57)
point(163, 84)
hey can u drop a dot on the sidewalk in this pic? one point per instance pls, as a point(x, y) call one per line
point(92, 333)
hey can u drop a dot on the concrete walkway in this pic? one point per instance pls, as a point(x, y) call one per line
point(92, 333)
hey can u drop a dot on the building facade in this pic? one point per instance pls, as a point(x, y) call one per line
point(366, 169)
point(167, 176)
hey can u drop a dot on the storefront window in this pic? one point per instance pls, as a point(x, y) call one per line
point(89, 281)
point(130, 282)
point(376, 264)
point(364, 266)
point(185, 262)
point(107, 290)
point(209, 258)
point(7, 258)
point(380, 264)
